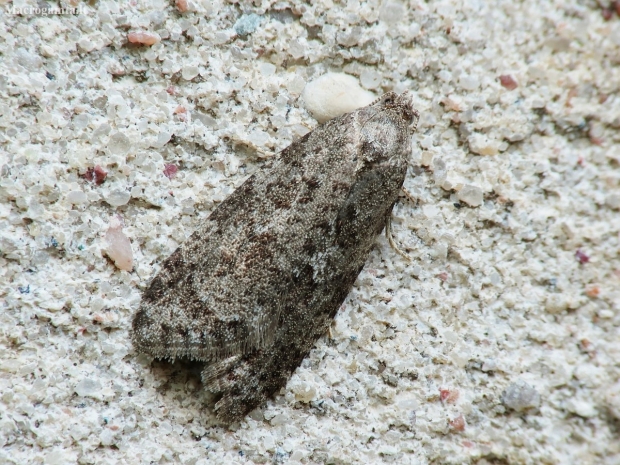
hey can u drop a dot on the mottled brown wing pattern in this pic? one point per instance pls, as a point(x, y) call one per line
point(251, 291)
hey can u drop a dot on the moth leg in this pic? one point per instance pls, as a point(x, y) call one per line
point(409, 196)
point(388, 234)
point(388, 227)
point(263, 153)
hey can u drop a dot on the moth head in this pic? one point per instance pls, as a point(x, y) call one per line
point(386, 128)
point(399, 106)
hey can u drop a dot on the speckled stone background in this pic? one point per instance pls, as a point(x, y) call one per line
point(498, 344)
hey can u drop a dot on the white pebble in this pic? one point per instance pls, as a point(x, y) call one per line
point(296, 85)
point(613, 201)
point(556, 303)
point(118, 198)
point(334, 94)
point(296, 49)
point(408, 404)
point(392, 12)
point(483, 145)
point(247, 24)
point(86, 44)
point(304, 392)
point(370, 78)
point(297, 455)
point(279, 420)
point(489, 365)
point(162, 139)
point(87, 387)
point(189, 72)
point(76, 197)
point(119, 144)
point(431, 211)
point(581, 408)
point(107, 438)
point(267, 69)
point(58, 457)
point(612, 400)
point(469, 82)
point(30, 61)
point(520, 396)
point(258, 138)
point(471, 195)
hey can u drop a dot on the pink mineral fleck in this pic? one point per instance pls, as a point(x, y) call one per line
point(582, 257)
point(458, 424)
point(143, 38)
point(181, 113)
point(118, 246)
point(508, 82)
point(182, 5)
point(170, 170)
point(96, 175)
point(448, 395)
point(593, 291)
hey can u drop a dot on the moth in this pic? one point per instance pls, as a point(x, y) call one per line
point(257, 284)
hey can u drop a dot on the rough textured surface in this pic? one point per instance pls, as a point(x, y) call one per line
point(258, 283)
point(522, 289)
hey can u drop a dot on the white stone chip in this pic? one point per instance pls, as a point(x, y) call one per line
point(267, 69)
point(612, 399)
point(471, 195)
point(107, 437)
point(88, 387)
point(520, 396)
point(613, 201)
point(370, 78)
point(556, 303)
point(119, 144)
point(117, 198)
point(59, 457)
point(304, 392)
point(483, 145)
point(392, 12)
point(77, 197)
point(189, 72)
point(581, 407)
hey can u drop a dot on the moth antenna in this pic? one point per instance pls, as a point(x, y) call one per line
point(390, 238)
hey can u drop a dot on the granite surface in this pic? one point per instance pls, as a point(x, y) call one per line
point(123, 125)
